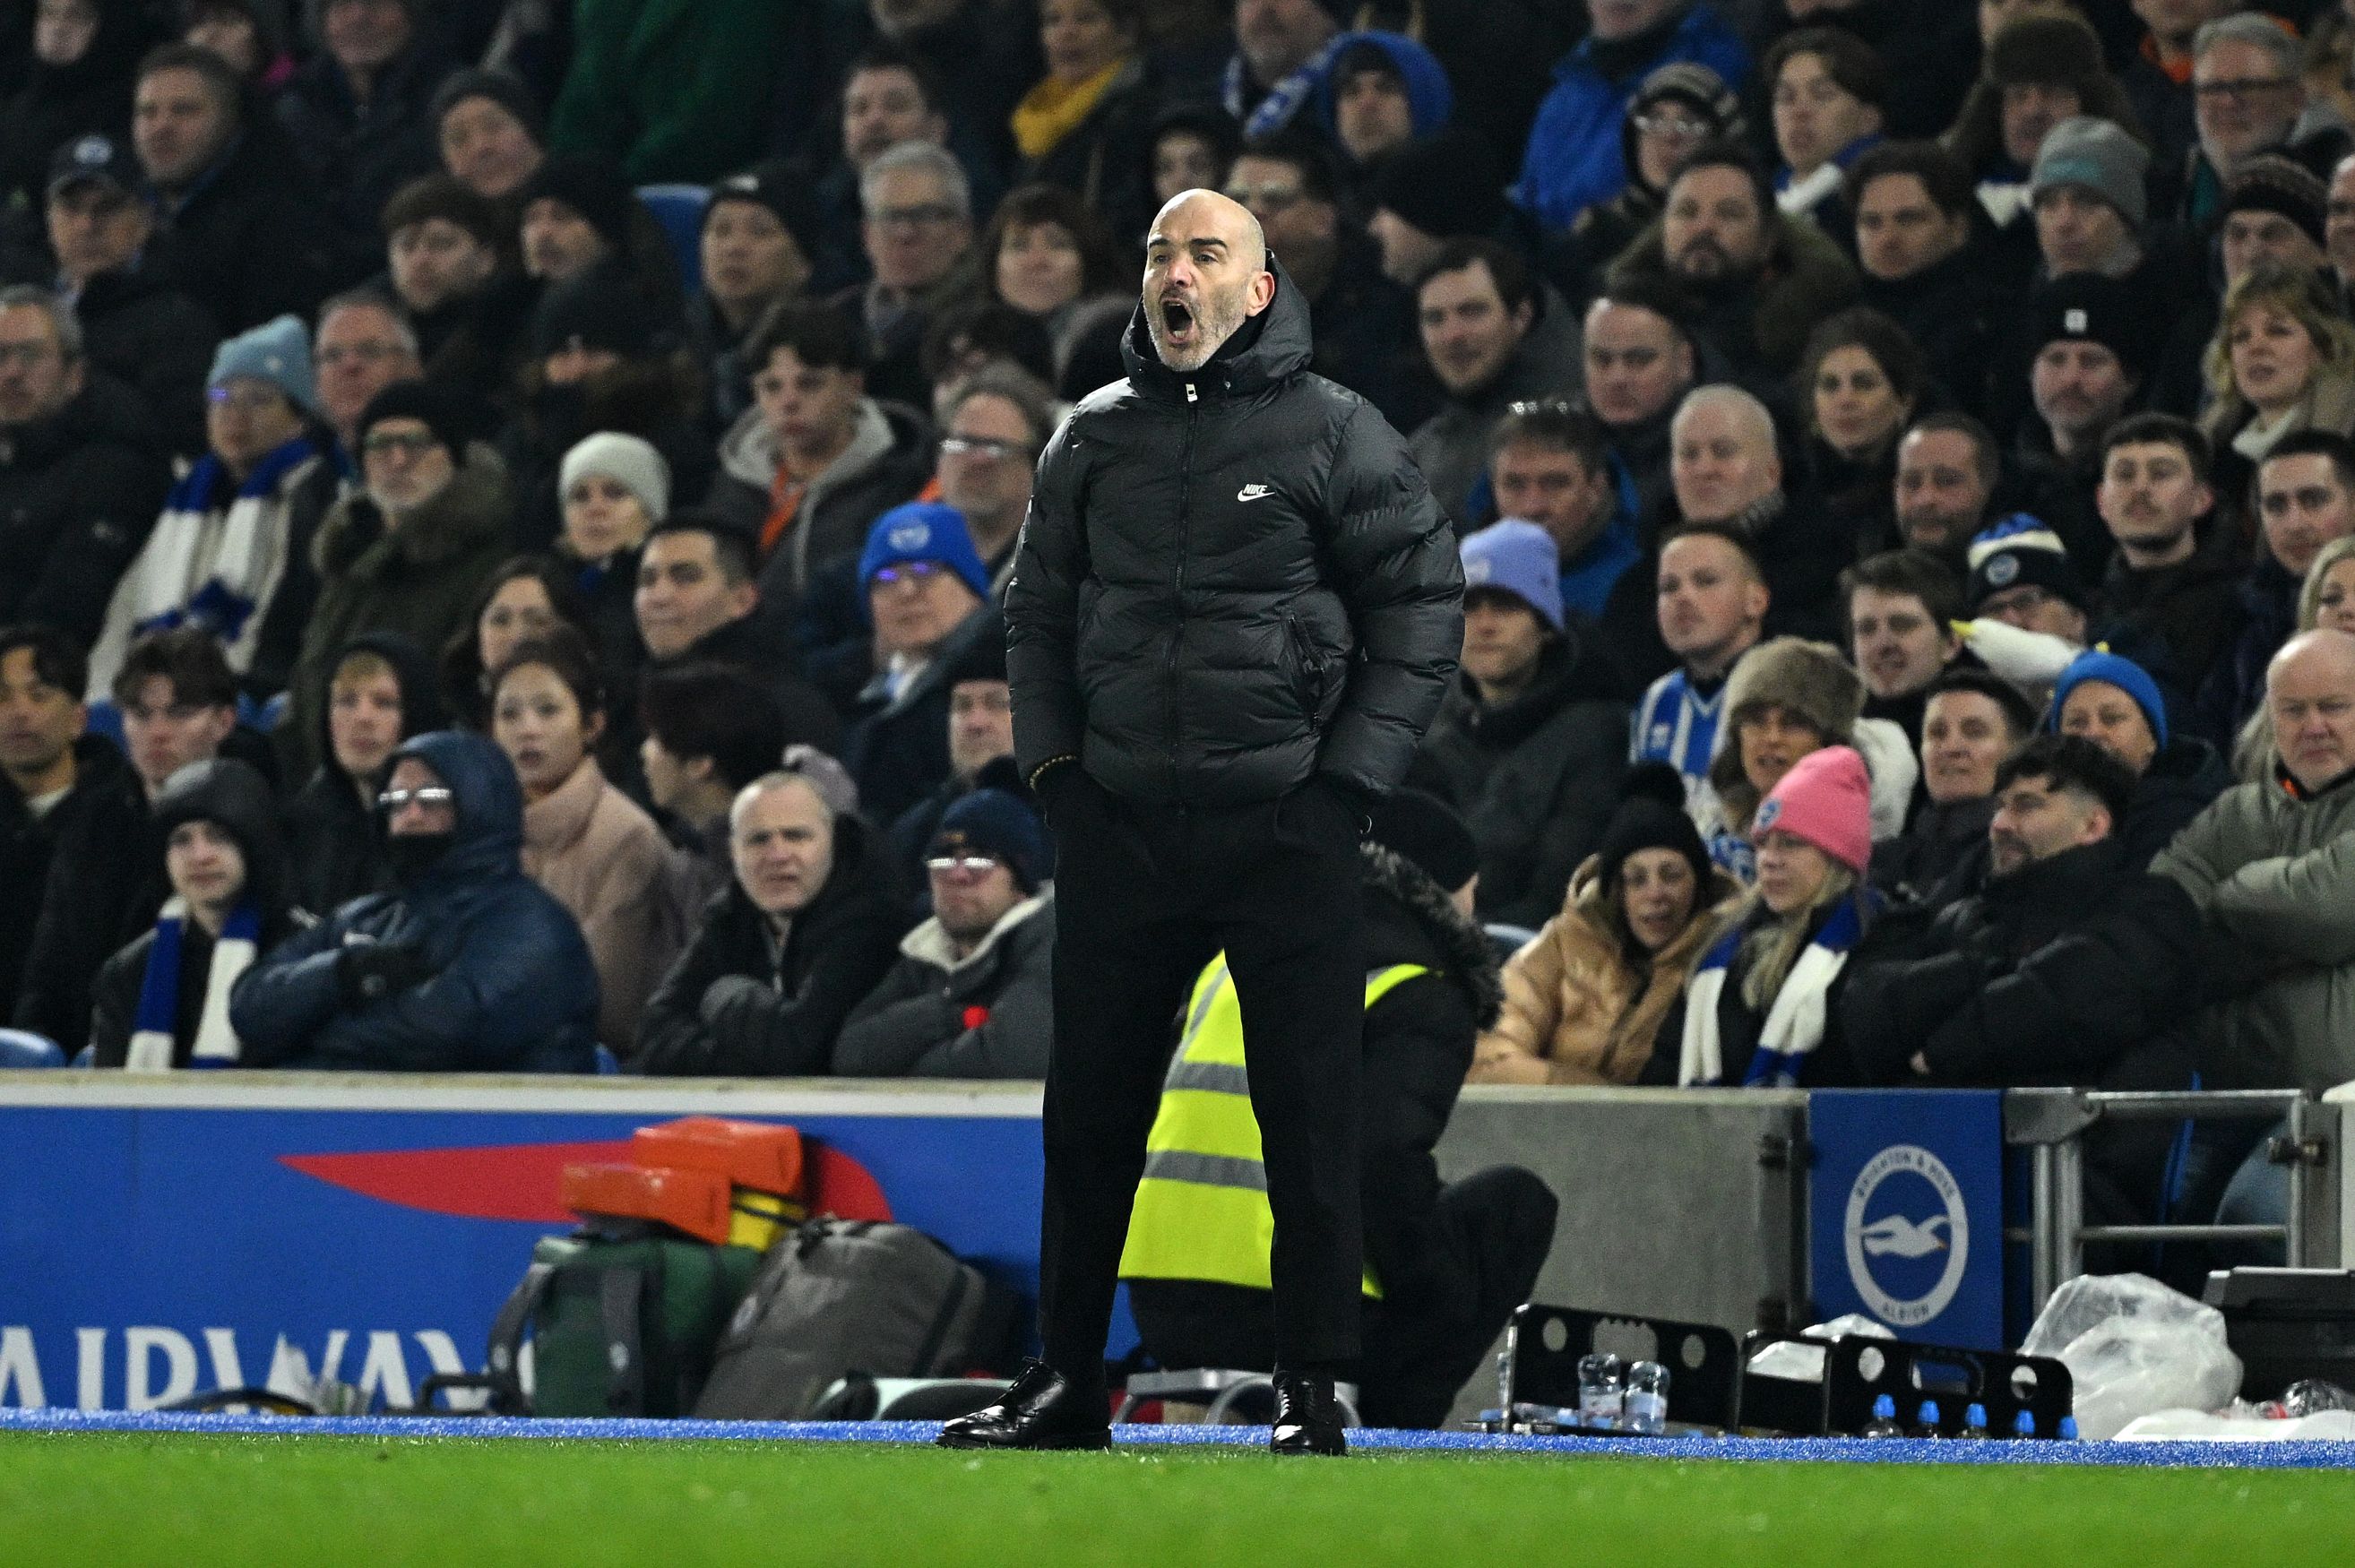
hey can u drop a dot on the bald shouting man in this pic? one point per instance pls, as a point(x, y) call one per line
point(1235, 608)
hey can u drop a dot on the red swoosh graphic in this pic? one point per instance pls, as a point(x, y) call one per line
point(520, 1182)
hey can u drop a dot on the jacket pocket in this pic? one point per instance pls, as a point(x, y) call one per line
point(1308, 668)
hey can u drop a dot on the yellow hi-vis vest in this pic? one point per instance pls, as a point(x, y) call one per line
point(1201, 1210)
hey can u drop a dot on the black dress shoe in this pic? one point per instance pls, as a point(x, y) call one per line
point(1042, 1410)
point(1307, 1417)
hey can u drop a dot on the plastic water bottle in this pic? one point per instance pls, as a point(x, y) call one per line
point(1602, 1391)
point(1974, 1419)
point(1884, 1419)
point(2312, 1396)
point(1646, 1405)
point(1925, 1420)
point(2024, 1426)
point(2068, 1429)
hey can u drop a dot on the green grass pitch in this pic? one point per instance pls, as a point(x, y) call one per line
point(192, 1502)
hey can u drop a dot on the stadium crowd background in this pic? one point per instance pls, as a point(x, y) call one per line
point(502, 508)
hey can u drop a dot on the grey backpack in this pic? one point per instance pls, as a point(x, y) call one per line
point(840, 1298)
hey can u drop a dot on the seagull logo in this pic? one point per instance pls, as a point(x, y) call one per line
point(1253, 492)
point(1894, 1233)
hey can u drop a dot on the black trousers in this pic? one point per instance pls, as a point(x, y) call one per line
point(1496, 1225)
point(1144, 895)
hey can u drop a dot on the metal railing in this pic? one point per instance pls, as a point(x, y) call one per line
point(2051, 1123)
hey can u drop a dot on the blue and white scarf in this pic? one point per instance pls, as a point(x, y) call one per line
point(1285, 97)
point(1795, 1024)
point(159, 991)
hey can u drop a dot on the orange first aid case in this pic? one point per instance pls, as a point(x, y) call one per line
point(722, 1181)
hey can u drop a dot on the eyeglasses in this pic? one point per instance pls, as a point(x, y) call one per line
point(969, 865)
point(1675, 127)
point(921, 217)
point(409, 443)
point(395, 801)
point(917, 572)
point(1528, 406)
point(2239, 89)
point(983, 446)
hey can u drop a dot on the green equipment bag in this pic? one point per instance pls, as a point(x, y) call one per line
point(619, 1324)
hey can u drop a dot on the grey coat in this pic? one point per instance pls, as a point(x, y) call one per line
point(914, 1023)
point(2273, 871)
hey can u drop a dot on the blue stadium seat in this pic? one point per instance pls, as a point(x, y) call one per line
point(106, 719)
point(21, 1048)
point(679, 209)
point(86, 1057)
point(606, 1062)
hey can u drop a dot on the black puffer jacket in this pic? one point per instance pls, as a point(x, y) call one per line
point(78, 492)
point(737, 1005)
point(1230, 580)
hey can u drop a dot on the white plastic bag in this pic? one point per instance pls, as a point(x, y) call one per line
point(2133, 1348)
point(1804, 1363)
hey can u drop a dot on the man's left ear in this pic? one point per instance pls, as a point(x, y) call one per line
point(1262, 291)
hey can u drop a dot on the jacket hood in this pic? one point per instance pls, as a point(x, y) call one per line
point(412, 671)
point(1409, 920)
point(1430, 99)
point(233, 794)
point(1266, 348)
point(488, 840)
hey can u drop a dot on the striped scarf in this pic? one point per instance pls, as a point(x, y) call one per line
point(159, 991)
point(1284, 99)
point(1795, 1024)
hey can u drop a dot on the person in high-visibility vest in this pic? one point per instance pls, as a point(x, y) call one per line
point(1446, 1264)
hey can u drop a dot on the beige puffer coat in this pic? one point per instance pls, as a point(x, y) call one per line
point(1575, 1011)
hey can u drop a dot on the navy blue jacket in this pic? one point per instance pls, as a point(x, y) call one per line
point(513, 989)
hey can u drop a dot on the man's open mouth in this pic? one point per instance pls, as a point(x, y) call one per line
point(1177, 319)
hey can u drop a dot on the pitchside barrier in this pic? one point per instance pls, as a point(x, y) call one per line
point(168, 1235)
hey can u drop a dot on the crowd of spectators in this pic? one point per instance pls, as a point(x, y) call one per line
point(504, 507)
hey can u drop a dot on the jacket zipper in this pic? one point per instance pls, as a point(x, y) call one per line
point(1177, 629)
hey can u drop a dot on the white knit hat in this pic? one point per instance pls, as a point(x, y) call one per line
point(639, 468)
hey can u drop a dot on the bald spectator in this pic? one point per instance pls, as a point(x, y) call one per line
point(1712, 604)
point(1725, 467)
point(1755, 280)
point(2269, 866)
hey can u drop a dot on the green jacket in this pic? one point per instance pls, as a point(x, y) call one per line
point(418, 580)
point(671, 90)
point(2273, 874)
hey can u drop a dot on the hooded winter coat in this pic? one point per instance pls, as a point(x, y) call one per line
point(600, 855)
point(888, 460)
point(1537, 778)
point(1230, 580)
point(1579, 1008)
point(2272, 867)
point(418, 580)
point(235, 798)
point(513, 989)
point(79, 492)
point(921, 1022)
point(334, 835)
point(744, 1002)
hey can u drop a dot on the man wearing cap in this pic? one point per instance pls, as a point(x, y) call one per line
point(409, 551)
point(2112, 702)
point(246, 240)
point(1575, 157)
point(83, 470)
point(971, 995)
point(1530, 743)
point(2171, 595)
point(2086, 190)
point(2089, 347)
point(1443, 187)
point(225, 544)
point(1234, 609)
point(760, 240)
point(926, 596)
point(2021, 576)
point(137, 324)
point(576, 213)
point(443, 249)
point(357, 112)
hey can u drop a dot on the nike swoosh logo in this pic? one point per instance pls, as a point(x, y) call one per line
point(1253, 492)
